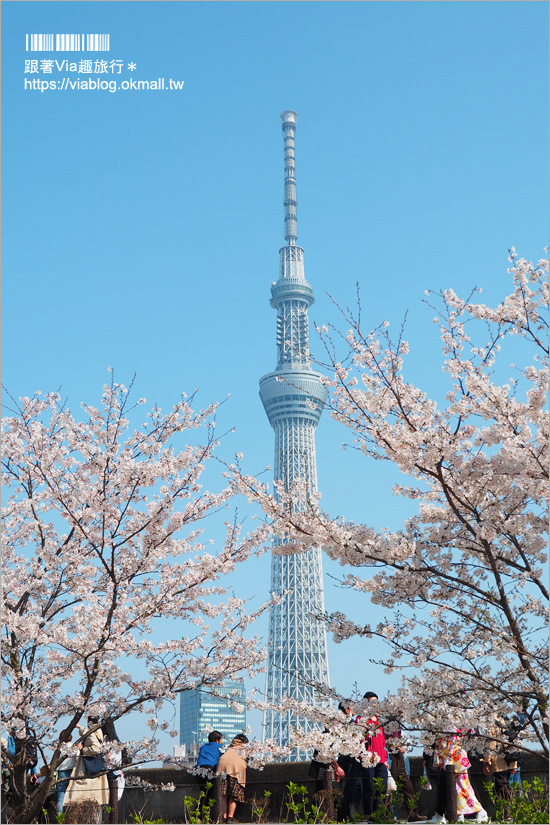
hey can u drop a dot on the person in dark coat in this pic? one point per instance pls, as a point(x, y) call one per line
point(351, 791)
point(115, 777)
point(400, 775)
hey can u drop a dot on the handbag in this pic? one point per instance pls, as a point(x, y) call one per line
point(94, 765)
point(392, 785)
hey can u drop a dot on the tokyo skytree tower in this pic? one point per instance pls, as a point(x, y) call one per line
point(293, 397)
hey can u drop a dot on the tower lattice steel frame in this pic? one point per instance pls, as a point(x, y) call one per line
point(293, 397)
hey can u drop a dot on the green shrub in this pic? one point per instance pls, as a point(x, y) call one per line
point(298, 807)
point(528, 804)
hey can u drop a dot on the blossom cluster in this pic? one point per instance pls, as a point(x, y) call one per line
point(102, 535)
point(463, 581)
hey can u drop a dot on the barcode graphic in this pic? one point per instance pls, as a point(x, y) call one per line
point(39, 42)
point(67, 42)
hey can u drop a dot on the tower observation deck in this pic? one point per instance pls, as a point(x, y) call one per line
point(293, 397)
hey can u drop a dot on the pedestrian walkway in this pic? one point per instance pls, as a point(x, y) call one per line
point(364, 821)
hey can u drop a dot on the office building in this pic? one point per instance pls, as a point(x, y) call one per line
point(210, 708)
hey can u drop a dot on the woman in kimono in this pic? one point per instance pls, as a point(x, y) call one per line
point(448, 750)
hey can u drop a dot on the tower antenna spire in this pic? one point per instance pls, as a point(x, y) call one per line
point(290, 202)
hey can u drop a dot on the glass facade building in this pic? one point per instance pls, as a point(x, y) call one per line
point(206, 709)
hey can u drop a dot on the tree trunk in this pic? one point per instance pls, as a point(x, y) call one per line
point(217, 817)
point(328, 776)
point(113, 799)
point(450, 779)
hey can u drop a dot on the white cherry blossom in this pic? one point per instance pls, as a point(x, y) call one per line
point(462, 582)
point(102, 535)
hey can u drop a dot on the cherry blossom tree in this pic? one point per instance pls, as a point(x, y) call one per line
point(102, 538)
point(462, 582)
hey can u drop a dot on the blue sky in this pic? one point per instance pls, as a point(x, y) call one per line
point(142, 228)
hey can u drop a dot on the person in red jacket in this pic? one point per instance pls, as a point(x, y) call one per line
point(375, 741)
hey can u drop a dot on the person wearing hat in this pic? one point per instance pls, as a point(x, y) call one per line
point(232, 769)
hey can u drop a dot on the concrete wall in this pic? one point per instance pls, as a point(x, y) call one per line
point(274, 778)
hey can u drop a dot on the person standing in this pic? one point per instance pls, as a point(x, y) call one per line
point(115, 776)
point(351, 791)
point(448, 751)
point(92, 746)
point(64, 772)
point(232, 768)
point(207, 761)
point(210, 752)
point(398, 770)
point(496, 767)
point(89, 777)
point(375, 742)
point(517, 723)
